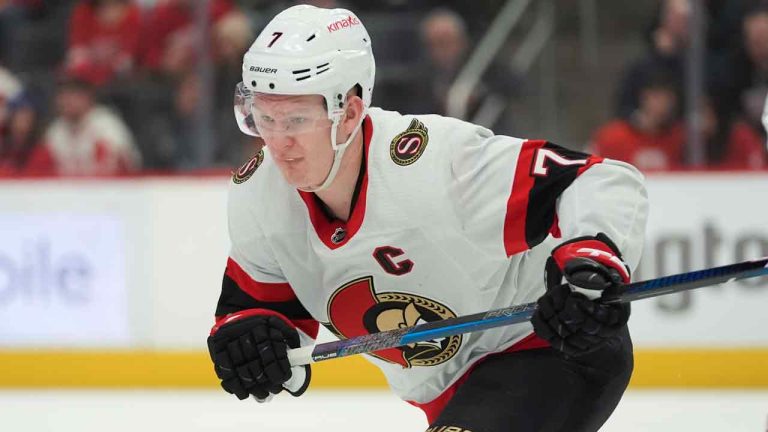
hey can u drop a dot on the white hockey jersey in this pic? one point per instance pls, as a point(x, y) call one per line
point(450, 220)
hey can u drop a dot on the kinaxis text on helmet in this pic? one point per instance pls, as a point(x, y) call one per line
point(343, 23)
point(263, 70)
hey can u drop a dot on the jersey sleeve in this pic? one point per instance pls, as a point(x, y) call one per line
point(513, 193)
point(253, 280)
point(611, 198)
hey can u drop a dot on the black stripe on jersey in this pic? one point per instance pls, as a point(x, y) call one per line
point(542, 198)
point(233, 299)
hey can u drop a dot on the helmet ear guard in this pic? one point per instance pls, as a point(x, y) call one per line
point(307, 50)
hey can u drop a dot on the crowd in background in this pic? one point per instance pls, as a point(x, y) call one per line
point(110, 87)
point(650, 131)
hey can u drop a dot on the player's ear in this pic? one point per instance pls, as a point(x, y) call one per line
point(353, 113)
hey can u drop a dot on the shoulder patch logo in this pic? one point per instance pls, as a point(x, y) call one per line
point(407, 147)
point(246, 171)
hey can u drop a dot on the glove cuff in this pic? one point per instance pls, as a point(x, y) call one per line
point(597, 248)
point(236, 316)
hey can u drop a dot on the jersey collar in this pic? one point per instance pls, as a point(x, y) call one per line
point(335, 233)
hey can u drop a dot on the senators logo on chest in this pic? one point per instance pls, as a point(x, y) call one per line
point(356, 309)
point(408, 146)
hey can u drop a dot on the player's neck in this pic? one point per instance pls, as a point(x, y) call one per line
point(340, 195)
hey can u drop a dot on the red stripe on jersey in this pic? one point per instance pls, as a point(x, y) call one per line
point(326, 228)
point(309, 327)
point(434, 407)
point(591, 160)
point(517, 204)
point(555, 230)
point(261, 291)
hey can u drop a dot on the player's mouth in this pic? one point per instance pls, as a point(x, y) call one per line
point(291, 160)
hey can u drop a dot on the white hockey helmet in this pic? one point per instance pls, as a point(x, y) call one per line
point(307, 50)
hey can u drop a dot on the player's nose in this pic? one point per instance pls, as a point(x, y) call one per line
point(279, 141)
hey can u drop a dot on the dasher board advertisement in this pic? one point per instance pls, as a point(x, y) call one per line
point(699, 221)
point(62, 280)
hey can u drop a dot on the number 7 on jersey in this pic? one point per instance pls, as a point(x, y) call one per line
point(543, 154)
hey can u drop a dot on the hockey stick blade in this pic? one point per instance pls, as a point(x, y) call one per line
point(520, 313)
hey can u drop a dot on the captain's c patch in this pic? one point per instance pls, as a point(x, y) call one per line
point(246, 171)
point(407, 146)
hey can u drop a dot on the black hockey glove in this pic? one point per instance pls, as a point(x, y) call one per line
point(249, 353)
point(570, 315)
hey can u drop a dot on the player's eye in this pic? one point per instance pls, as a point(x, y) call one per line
point(295, 121)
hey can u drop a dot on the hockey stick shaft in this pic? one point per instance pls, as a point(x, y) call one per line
point(520, 313)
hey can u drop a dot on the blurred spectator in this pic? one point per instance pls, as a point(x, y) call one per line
point(746, 149)
point(668, 42)
point(756, 47)
point(477, 14)
point(169, 132)
point(651, 138)
point(18, 121)
point(714, 131)
point(103, 40)
point(174, 130)
point(183, 119)
point(84, 138)
point(232, 35)
point(20, 140)
point(10, 89)
point(171, 109)
point(747, 66)
point(756, 41)
point(169, 37)
point(444, 36)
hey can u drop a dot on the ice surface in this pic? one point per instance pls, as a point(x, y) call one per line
point(192, 411)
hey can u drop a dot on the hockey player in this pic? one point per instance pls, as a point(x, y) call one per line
point(363, 220)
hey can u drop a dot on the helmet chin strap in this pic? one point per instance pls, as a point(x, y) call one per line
point(337, 155)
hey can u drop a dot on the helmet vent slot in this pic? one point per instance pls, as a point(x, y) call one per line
point(311, 37)
point(322, 68)
point(304, 74)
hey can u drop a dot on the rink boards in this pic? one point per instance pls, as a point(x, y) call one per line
point(113, 283)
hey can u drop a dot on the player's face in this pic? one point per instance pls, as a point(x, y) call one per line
point(297, 132)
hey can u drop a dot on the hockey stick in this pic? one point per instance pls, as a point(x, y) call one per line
point(520, 313)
